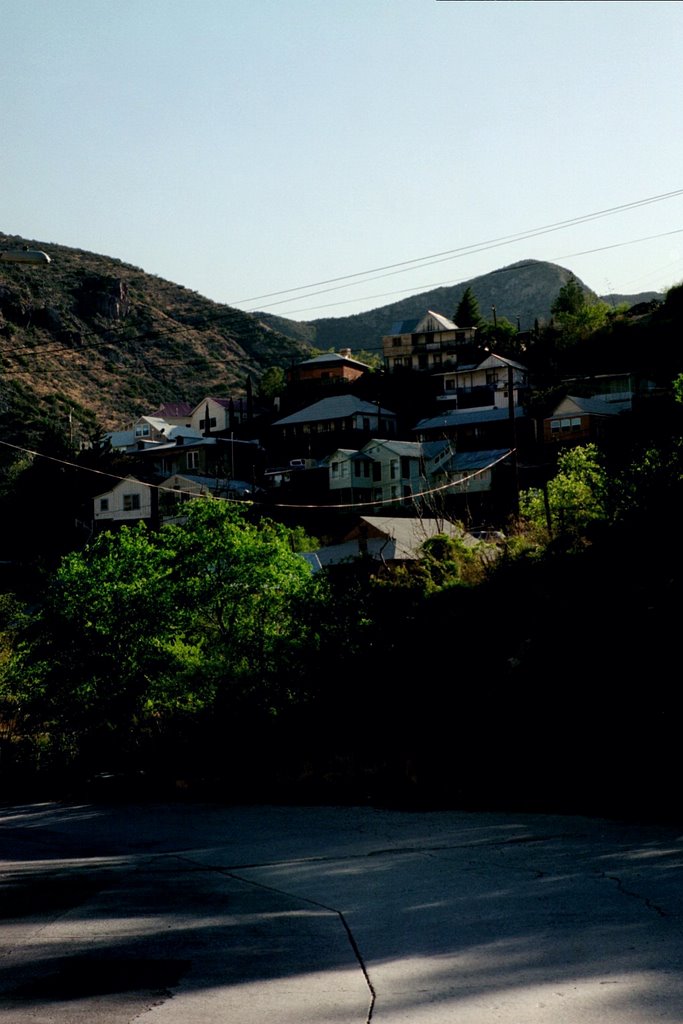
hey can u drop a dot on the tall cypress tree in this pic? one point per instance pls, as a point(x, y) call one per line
point(467, 313)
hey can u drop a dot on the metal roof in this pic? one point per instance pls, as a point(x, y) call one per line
point(411, 449)
point(463, 462)
point(335, 408)
point(174, 409)
point(404, 326)
point(594, 406)
point(329, 358)
point(402, 538)
point(462, 417)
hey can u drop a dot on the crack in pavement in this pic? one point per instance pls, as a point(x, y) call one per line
point(303, 899)
point(635, 895)
point(381, 852)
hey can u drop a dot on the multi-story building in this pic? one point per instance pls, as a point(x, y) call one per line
point(429, 343)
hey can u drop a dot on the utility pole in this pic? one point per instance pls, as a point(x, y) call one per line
point(513, 440)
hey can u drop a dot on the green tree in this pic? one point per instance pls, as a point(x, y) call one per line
point(144, 629)
point(501, 337)
point(272, 382)
point(576, 496)
point(467, 313)
point(578, 312)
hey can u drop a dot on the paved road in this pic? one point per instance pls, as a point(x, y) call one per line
point(186, 914)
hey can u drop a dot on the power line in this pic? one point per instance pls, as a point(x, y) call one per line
point(463, 481)
point(468, 249)
point(500, 270)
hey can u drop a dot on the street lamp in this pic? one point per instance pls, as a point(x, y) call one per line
point(33, 257)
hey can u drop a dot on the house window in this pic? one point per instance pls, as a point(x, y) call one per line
point(576, 423)
point(393, 469)
point(212, 422)
point(376, 471)
point(131, 502)
point(366, 423)
point(192, 460)
point(142, 431)
point(104, 504)
point(335, 470)
point(396, 342)
point(405, 466)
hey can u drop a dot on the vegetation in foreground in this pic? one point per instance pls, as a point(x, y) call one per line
point(208, 653)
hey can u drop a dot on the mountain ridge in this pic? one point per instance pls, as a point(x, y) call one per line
point(94, 338)
point(116, 341)
point(521, 292)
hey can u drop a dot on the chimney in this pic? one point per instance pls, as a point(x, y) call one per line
point(345, 353)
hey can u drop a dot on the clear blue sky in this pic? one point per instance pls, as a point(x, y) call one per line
point(241, 147)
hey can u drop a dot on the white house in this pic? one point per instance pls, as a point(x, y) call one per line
point(484, 385)
point(127, 501)
point(385, 539)
point(472, 472)
point(424, 344)
point(158, 431)
point(219, 413)
point(384, 470)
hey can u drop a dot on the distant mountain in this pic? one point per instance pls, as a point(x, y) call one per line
point(614, 299)
point(521, 292)
point(91, 338)
point(90, 333)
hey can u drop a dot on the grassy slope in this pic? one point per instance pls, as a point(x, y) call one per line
point(105, 336)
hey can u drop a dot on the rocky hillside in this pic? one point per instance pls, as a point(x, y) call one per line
point(107, 341)
point(523, 291)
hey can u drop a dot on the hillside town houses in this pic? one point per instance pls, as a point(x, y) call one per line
point(443, 422)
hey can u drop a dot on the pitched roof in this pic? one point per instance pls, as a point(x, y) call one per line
point(396, 538)
point(462, 417)
point(408, 533)
point(174, 410)
point(404, 326)
point(411, 449)
point(466, 462)
point(333, 359)
point(223, 402)
point(493, 359)
point(414, 325)
point(121, 438)
point(118, 484)
point(593, 406)
point(335, 408)
point(444, 323)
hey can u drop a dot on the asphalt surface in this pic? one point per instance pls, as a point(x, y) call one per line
point(187, 914)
